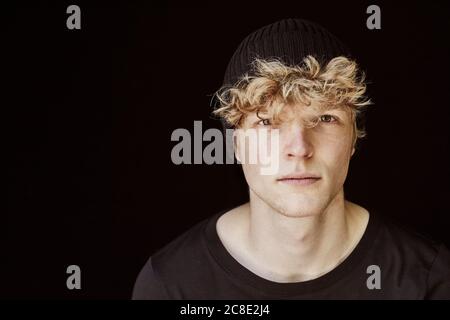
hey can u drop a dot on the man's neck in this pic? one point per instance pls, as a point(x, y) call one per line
point(294, 249)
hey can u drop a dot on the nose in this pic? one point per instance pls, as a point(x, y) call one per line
point(296, 141)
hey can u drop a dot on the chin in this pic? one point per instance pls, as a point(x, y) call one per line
point(298, 208)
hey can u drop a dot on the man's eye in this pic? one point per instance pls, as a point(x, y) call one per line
point(327, 118)
point(264, 122)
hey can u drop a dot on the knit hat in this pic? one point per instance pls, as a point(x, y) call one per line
point(289, 40)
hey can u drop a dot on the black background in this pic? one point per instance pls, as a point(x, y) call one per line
point(88, 115)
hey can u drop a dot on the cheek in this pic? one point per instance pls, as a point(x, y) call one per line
point(254, 178)
point(262, 149)
point(336, 144)
point(337, 156)
point(340, 169)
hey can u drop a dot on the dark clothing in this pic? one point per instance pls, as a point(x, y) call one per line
point(387, 263)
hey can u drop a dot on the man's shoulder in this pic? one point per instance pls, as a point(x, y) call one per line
point(405, 244)
point(422, 255)
point(186, 248)
point(180, 263)
point(406, 238)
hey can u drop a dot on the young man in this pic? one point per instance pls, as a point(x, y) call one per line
point(297, 237)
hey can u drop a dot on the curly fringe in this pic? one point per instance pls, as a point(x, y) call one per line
point(339, 83)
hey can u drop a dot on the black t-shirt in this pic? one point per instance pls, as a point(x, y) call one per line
point(387, 263)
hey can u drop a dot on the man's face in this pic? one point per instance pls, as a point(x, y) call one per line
point(312, 160)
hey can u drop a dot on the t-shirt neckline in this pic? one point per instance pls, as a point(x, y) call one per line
point(244, 275)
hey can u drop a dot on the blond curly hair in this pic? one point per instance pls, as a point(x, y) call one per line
point(274, 84)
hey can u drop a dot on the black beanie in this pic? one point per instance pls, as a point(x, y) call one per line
point(289, 40)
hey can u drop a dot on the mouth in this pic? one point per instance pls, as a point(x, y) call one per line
point(299, 179)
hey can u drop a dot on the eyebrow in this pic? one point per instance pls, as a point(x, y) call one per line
point(329, 107)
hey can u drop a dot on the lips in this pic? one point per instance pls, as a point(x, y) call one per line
point(299, 178)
